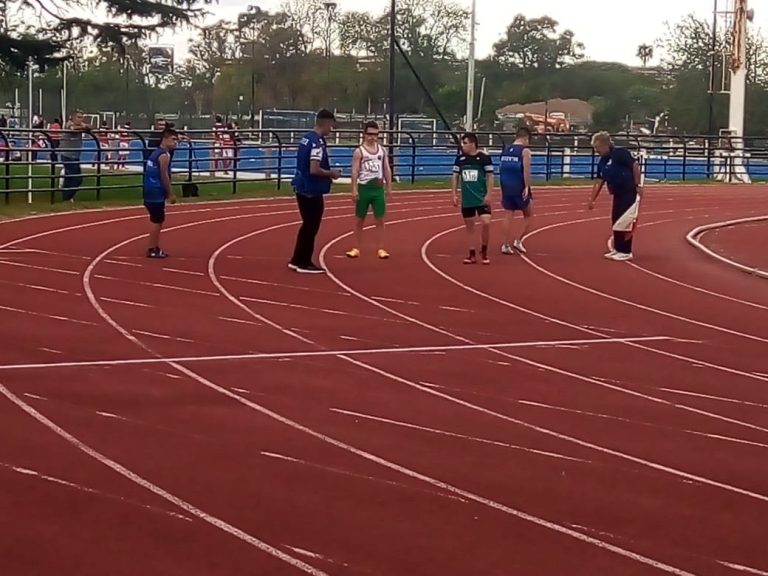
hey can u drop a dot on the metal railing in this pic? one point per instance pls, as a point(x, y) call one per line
point(109, 164)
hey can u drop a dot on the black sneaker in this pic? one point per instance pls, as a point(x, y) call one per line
point(311, 269)
point(292, 266)
point(156, 253)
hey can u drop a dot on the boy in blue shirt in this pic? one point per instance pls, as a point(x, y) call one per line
point(311, 183)
point(515, 176)
point(157, 188)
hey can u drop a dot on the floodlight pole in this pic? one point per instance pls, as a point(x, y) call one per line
point(392, 52)
point(470, 121)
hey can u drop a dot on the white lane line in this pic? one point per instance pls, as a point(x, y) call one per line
point(51, 350)
point(315, 309)
point(112, 416)
point(42, 288)
point(47, 252)
point(456, 435)
point(81, 488)
point(156, 285)
point(697, 288)
point(314, 555)
point(44, 268)
point(454, 309)
point(163, 336)
point(712, 397)
point(743, 568)
point(188, 272)
point(395, 301)
point(123, 263)
point(239, 321)
point(35, 396)
point(157, 490)
point(279, 285)
point(639, 423)
point(334, 470)
point(126, 302)
point(51, 316)
point(288, 355)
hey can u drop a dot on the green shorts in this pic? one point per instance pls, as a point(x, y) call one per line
point(371, 195)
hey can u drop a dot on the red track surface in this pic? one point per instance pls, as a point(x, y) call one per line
point(621, 457)
point(742, 243)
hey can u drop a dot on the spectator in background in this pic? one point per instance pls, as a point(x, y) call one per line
point(3, 121)
point(71, 148)
point(54, 132)
point(156, 136)
point(124, 145)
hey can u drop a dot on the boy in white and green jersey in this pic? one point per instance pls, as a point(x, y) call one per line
point(370, 175)
point(473, 169)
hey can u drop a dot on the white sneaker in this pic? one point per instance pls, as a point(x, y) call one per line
point(518, 245)
point(622, 257)
point(507, 249)
point(610, 254)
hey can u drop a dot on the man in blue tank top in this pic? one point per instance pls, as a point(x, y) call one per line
point(621, 172)
point(311, 183)
point(515, 175)
point(157, 188)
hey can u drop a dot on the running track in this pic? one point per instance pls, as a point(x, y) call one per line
point(217, 414)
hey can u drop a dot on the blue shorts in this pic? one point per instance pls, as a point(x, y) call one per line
point(156, 211)
point(516, 200)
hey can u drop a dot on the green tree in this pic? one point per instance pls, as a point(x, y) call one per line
point(645, 53)
point(536, 44)
point(42, 29)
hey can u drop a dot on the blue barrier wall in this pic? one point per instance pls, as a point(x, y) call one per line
point(419, 163)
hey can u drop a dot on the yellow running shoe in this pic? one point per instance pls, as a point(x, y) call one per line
point(354, 253)
point(383, 254)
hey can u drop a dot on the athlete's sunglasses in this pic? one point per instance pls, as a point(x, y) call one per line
point(375, 134)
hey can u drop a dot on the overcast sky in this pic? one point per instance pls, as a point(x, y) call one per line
point(596, 23)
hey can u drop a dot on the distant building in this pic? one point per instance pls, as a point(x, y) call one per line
point(578, 113)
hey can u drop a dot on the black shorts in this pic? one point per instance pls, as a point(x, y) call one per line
point(156, 211)
point(473, 211)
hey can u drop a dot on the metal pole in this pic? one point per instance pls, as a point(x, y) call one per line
point(253, 83)
point(64, 93)
point(482, 98)
point(470, 123)
point(29, 150)
point(712, 67)
point(392, 52)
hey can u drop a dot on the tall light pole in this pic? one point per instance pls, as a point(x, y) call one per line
point(470, 123)
point(330, 10)
point(31, 73)
point(246, 20)
point(392, 50)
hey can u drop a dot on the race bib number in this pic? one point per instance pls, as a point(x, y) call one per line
point(470, 175)
point(372, 166)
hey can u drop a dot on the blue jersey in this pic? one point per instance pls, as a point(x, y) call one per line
point(617, 169)
point(511, 170)
point(154, 191)
point(311, 147)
